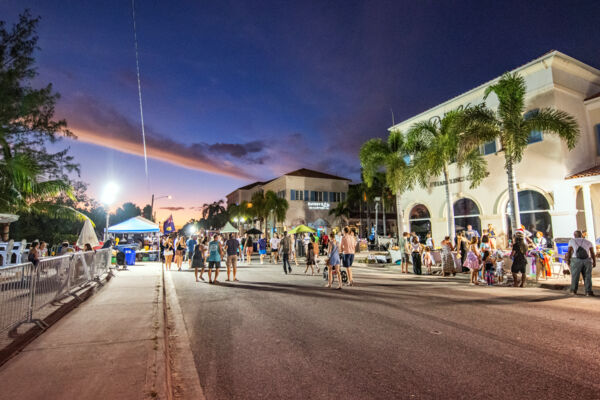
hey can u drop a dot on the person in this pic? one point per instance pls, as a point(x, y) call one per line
point(447, 257)
point(463, 247)
point(471, 233)
point(180, 248)
point(429, 241)
point(325, 240)
point(472, 261)
point(491, 231)
point(499, 257)
point(416, 251)
point(519, 250)
point(406, 250)
point(581, 258)
point(169, 253)
point(190, 244)
point(285, 248)
point(232, 247)
point(197, 258)
point(428, 259)
point(334, 263)
point(43, 249)
point(64, 249)
point(34, 255)
point(275, 249)
point(161, 254)
point(315, 246)
point(540, 241)
point(310, 260)
point(248, 245)
point(484, 246)
point(215, 252)
point(348, 247)
point(542, 261)
point(262, 248)
point(488, 264)
point(87, 247)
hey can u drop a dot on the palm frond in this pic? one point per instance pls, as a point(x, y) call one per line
point(555, 122)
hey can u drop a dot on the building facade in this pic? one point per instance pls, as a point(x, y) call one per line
point(310, 195)
point(558, 189)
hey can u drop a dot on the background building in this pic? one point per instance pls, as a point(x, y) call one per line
point(310, 194)
point(559, 190)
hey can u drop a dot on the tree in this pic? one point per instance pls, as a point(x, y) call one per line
point(276, 206)
point(435, 145)
point(31, 178)
point(147, 212)
point(126, 211)
point(214, 214)
point(341, 212)
point(259, 208)
point(390, 157)
point(512, 126)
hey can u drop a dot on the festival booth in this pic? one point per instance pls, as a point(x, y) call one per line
point(137, 231)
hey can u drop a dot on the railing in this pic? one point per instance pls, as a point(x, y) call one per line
point(25, 289)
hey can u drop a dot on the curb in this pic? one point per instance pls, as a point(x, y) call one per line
point(184, 376)
point(17, 345)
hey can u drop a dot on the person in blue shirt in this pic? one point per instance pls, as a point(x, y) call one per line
point(215, 252)
point(262, 248)
point(191, 243)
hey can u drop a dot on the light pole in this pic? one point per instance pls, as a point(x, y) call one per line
point(108, 197)
point(152, 203)
point(238, 220)
point(377, 199)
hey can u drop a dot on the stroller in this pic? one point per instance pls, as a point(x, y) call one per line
point(326, 274)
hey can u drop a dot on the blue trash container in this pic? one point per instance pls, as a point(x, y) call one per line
point(129, 256)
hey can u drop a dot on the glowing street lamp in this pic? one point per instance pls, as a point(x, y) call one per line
point(109, 195)
point(152, 203)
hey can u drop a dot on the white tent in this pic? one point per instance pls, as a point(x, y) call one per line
point(135, 225)
point(87, 235)
point(228, 228)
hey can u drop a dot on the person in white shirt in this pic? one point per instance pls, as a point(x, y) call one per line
point(581, 259)
point(274, 248)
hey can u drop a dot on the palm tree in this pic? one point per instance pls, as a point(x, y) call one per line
point(259, 208)
point(435, 145)
point(278, 206)
point(390, 156)
point(512, 126)
point(341, 212)
point(214, 213)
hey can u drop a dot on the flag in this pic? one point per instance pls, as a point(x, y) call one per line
point(169, 226)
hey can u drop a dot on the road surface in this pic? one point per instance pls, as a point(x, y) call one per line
point(276, 336)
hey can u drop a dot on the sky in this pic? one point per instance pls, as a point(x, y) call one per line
point(239, 91)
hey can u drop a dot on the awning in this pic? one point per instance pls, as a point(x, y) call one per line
point(228, 228)
point(134, 225)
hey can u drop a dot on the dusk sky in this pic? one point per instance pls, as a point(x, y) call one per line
point(237, 91)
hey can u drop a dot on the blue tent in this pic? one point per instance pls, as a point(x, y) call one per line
point(135, 225)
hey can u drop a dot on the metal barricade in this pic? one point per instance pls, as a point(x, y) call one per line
point(15, 294)
point(101, 262)
point(52, 280)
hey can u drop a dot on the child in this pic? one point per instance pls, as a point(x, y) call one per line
point(428, 259)
point(499, 256)
point(488, 262)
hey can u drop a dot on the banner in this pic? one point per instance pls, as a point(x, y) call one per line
point(169, 226)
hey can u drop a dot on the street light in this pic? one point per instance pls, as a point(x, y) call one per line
point(152, 203)
point(109, 196)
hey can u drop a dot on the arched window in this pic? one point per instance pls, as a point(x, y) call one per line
point(419, 221)
point(466, 213)
point(534, 213)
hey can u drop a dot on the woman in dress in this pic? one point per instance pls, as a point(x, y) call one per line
point(198, 258)
point(483, 247)
point(447, 258)
point(491, 231)
point(310, 260)
point(416, 250)
point(519, 249)
point(248, 245)
point(180, 252)
point(429, 241)
point(334, 262)
point(472, 261)
point(168, 253)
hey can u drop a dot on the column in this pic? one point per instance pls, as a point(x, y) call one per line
point(589, 213)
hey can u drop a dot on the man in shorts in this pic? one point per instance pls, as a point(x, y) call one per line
point(275, 249)
point(348, 247)
point(231, 247)
point(215, 251)
point(191, 243)
point(403, 245)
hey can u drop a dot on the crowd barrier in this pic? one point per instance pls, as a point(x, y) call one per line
point(25, 289)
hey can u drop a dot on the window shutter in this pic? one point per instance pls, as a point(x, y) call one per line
point(343, 196)
point(312, 195)
point(306, 195)
point(292, 195)
point(325, 196)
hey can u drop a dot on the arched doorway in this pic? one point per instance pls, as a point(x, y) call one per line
point(419, 221)
point(534, 213)
point(466, 212)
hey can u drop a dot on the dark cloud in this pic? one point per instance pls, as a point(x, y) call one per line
point(172, 208)
point(237, 150)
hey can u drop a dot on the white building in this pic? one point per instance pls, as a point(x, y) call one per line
point(559, 190)
point(310, 195)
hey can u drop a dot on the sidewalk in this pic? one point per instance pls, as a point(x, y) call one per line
point(111, 347)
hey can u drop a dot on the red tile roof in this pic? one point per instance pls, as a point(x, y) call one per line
point(588, 172)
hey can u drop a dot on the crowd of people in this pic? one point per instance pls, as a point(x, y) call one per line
point(206, 253)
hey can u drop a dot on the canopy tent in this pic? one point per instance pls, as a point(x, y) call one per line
point(302, 229)
point(87, 235)
point(135, 225)
point(253, 231)
point(228, 228)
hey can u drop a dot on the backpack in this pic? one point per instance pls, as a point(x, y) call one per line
point(581, 253)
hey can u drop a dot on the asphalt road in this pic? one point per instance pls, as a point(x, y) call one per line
point(276, 336)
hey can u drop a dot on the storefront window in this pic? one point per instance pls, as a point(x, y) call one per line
point(419, 221)
point(466, 212)
point(534, 213)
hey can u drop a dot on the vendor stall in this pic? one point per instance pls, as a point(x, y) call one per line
point(138, 225)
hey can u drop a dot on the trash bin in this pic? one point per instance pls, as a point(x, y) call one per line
point(129, 256)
